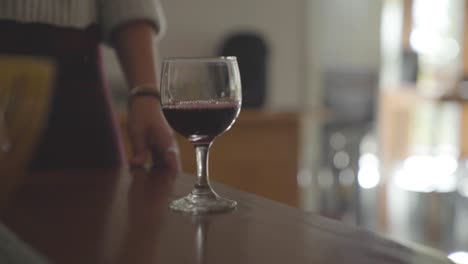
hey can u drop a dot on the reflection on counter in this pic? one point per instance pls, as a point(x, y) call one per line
point(15, 251)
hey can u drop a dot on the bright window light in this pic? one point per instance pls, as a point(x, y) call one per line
point(369, 174)
point(368, 178)
point(368, 160)
point(425, 173)
point(433, 30)
point(459, 257)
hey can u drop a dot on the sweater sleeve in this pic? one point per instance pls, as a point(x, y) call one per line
point(113, 13)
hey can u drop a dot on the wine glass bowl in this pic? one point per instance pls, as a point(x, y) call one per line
point(201, 121)
point(201, 99)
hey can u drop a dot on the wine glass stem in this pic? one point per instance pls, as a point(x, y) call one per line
point(202, 187)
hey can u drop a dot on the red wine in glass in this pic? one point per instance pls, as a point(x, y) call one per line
point(201, 99)
point(201, 121)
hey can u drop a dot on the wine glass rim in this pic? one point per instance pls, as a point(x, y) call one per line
point(200, 59)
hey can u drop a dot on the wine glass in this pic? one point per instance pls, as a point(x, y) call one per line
point(201, 99)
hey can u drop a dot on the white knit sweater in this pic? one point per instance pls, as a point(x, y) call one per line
point(81, 13)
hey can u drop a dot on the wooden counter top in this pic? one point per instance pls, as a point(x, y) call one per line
point(116, 216)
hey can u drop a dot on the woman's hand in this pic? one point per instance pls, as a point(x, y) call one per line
point(150, 135)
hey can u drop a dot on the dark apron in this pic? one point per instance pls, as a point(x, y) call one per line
point(81, 131)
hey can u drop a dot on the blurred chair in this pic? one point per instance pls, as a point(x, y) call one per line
point(409, 66)
point(25, 90)
point(251, 51)
point(350, 94)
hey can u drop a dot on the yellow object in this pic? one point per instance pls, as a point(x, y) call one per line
point(25, 91)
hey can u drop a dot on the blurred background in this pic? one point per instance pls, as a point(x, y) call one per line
point(355, 110)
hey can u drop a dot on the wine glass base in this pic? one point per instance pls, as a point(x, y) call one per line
point(196, 205)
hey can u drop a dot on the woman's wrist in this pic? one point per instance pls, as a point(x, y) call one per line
point(145, 90)
point(144, 95)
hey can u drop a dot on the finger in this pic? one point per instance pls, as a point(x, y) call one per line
point(139, 149)
point(172, 160)
point(166, 157)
